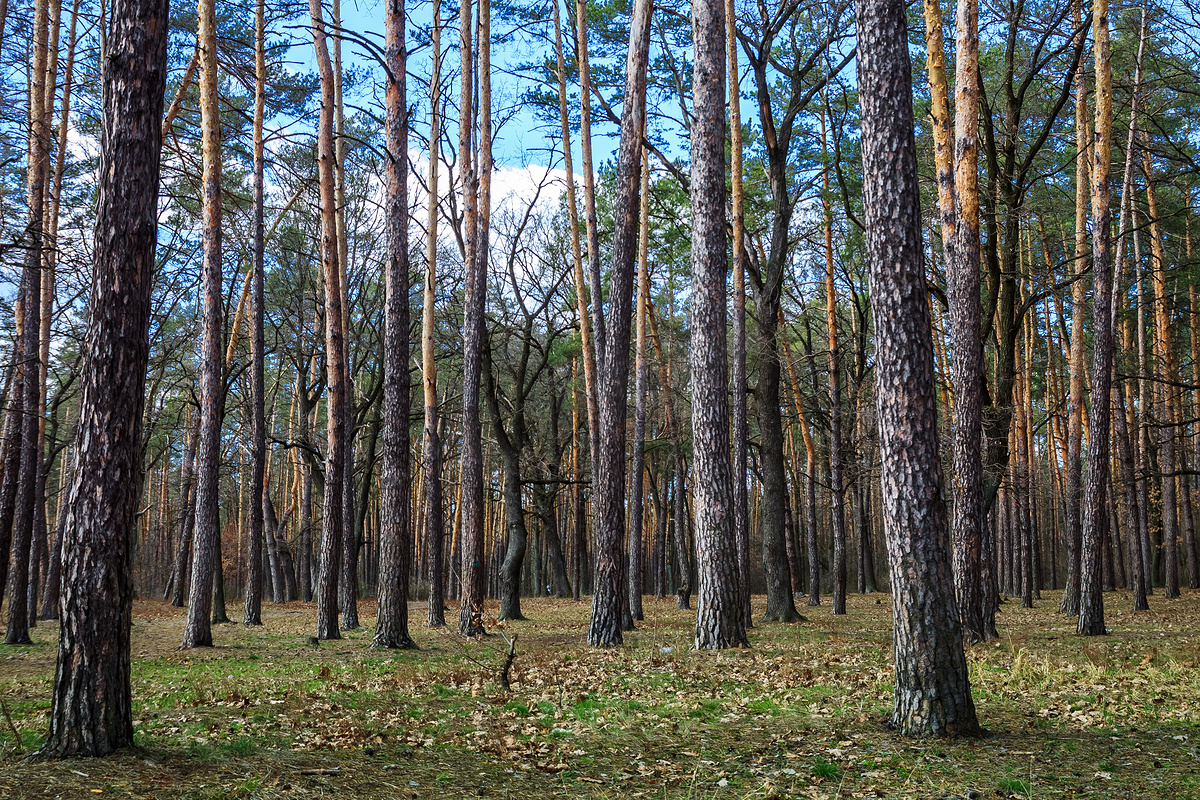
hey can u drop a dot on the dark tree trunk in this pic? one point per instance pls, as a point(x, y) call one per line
point(932, 692)
point(609, 493)
point(10, 453)
point(90, 709)
point(53, 585)
point(395, 531)
point(198, 632)
point(187, 517)
point(636, 578)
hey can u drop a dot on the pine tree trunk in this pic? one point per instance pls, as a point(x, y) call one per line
point(258, 444)
point(395, 534)
point(333, 521)
point(198, 632)
point(431, 445)
point(634, 571)
point(932, 693)
point(720, 620)
point(1095, 511)
point(91, 712)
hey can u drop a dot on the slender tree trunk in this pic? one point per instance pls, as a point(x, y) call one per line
point(258, 444)
point(609, 493)
point(1070, 599)
point(470, 620)
point(1164, 353)
point(641, 368)
point(589, 202)
point(810, 479)
point(1095, 511)
point(198, 632)
point(431, 445)
point(333, 521)
point(741, 426)
point(91, 711)
point(391, 629)
point(932, 693)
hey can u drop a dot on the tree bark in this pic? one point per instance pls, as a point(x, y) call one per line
point(1095, 511)
point(720, 620)
point(198, 632)
point(431, 445)
point(332, 522)
point(634, 571)
point(258, 444)
point(395, 534)
point(90, 711)
point(932, 694)
point(609, 494)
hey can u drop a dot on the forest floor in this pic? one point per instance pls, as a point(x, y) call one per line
point(801, 714)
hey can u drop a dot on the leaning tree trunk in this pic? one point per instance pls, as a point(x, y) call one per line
point(720, 620)
point(90, 708)
point(335, 360)
point(609, 494)
point(198, 632)
point(932, 694)
point(391, 629)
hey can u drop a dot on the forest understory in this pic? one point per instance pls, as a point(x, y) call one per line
point(801, 713)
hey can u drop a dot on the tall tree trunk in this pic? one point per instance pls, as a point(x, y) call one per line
point(90, 709)
point(198, 632)
point(589, 201)
point(1164, 357)
point(634, 570)
point(837, 509)
point(741, 425)
point(1095, 511)
point(470, 619)
point(431, 445)
point(810, 480)
point(1070, 599)
point(932, 692)
point(36, 177)
point(332, 522)
point(609, 493)
point(258, 444)
point(720, 620)
point(395, 533)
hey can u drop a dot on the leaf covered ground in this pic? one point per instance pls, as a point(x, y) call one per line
point(801, 714)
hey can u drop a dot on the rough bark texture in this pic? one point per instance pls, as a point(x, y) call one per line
point(609, 494)
point(335, 378)
point(1095, 510)
point(90, 711)
point(720, 621)
point(837, 495)
point(395, 533)
point(198, 632)
point(967, 367)
point(258, 442)
point(741, 425)
point(932, 692)
point(470, 613)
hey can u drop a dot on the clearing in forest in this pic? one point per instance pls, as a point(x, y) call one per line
point(265, 714)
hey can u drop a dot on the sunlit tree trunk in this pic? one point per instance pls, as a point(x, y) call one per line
point(198, 632)
point(332, 522)
point(431, 445)
point(258, 443)
point(634, 569)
